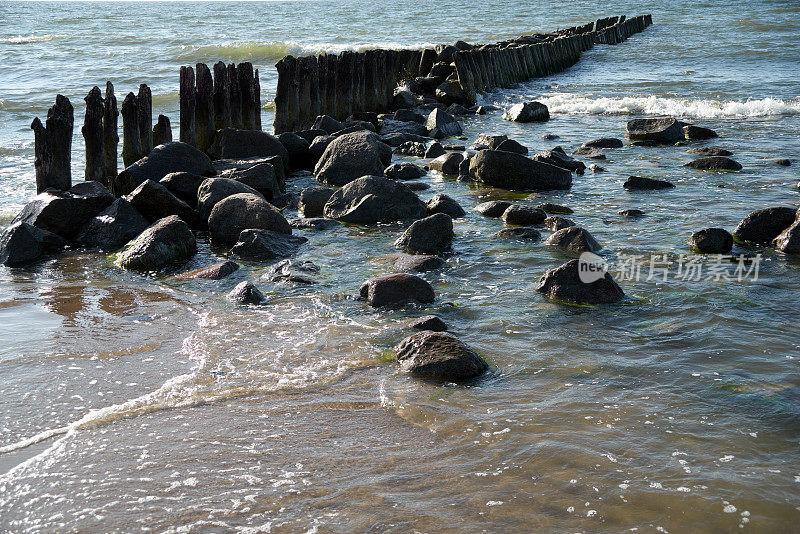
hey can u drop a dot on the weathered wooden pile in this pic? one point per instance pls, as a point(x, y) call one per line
point(338, 85)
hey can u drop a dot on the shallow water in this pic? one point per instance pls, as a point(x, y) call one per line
point(138, 403)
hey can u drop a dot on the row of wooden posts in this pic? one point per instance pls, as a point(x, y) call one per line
point(338, 85)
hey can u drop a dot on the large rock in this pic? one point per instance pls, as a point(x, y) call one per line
point(391, 126)
point(522, 215)
point(396, 290)
point(428, 322)
point(516, 172)
point(266, 245)
point(604, 142)
point(297, 147)
point(65, 212)
point(164, 243)
point(246, 293)
point(564, 284)
point(112, 227)
point(489, 142)
point(435, 150)
point(450, 92)
point(230, 143)
point(762, 226)
point(789, 240)
point(404, 171)
point(22, 244)
point(574, 239)
point(665, 131)
point(351, 156)
point(216, 271)
point(555, 223)
point(183, 185)
point(154, 202)
point(646, 184)
point(710, 151)
point(527, 112)
point(372, 199)
point(439, 356)
point(711, 241)
point(559, 158)
point(261, 177)
point(314, 223)
point(549, 207)
point(698, 132)
point(327, 124)
point(420, 263)
point(313, 200)
point(213, 190)
point(163, 160)
point(431, 235)
point(440, 124)
point(492, 208)
point(447, 163)
point(715, 163)
point(509, 145)
point(296, 271)
point(243, 211)
point(441, 203)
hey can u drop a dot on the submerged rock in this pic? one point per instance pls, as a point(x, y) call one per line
point(372, 199)
point(631, 213)
point(244, 211)
point(396, 289)
point(574, 239)
point(564, 284)
point(314, 223)
point(420, 263)
point(789, 240)
point(595, 168)
point(666, 131)
point(295, 271)
point(516, 172)
point(441, 203)
point(266, 244)
point(715, 163)
point(216, 271)
point(431, 235)
point(604, 142)
point(246, 293)
point(527, 112)
point(163, 243)
point(352, 156)
point(113, 227)
point(710, 151)
point(711, 241)
point(698, 132)
point(439, 356)
point(646, 184)
point(521, 215)
point(555, 223)
point(22, 244)
point(163, 160)
point(493, 208)
point(519, 232)
point(313, 200)
point(428, 322)
point(762, 226)
point(549, 207)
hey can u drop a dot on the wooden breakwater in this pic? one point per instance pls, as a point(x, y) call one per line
point(339, 85)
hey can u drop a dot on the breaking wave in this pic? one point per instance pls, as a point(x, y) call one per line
point(25, 39)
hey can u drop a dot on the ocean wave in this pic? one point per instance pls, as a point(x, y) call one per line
point(653, 105)
point(25, 39)
point(275, 50)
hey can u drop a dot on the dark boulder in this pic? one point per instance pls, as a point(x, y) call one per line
point(564, 284)
point(261, 177)
point(519, 232)
point(450, 93)
point(435, 150)
point(549, 207)
point(213, 190)
point(711, 241)
point(404, 99)
point(404, 171)
point(113, 227)
point(183, 185)
point(440, 124)
point(509, 145)
point(781, 162)
point(522, 215)
point(246, 293)
point(216, 271)
point(789, 240)
point(318, 146)
point(589, 153)
point(555, 223)
point(393, 127)
point(372, 199)
point(22, 244)
point(411, 148)
point(489, 142)
point(527, 112)
point(698, 132)
point(631, 213)
point(266, 245)
point(439, 356)
point(715, 163)
point(417, 186)
point(310, 135)
point(574, 239)
point(407, 115)
point(420, 263)
point(163, 160)
point(457, 109)
point(441, 203)
point(154, 202)
point(447, 163)
point(314, 223)
point(493, 208)
point(238, 144)
point(514, 171)
point(243, 211)
point(351, 156)
point(313, 199)
point(595, 168)
point(441, 70)
point(65, 212)
point(604, 142)
point(646, 184)
point(297, 147)
point(428, 322)
point(164, 243)
point(666, 131)
point(396, 290)
point(559, 158)
point(295, 271)
point(762, 226)
point(710, 151)
point(328, 124)
point(431, 235)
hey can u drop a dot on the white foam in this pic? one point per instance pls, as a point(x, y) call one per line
point(25, 39)
point(675, 107)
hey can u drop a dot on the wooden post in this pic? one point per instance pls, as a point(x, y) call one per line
point(344, 86)
point(204, 108)
point(222, 97)
point(370, 85)
point(293, 105)
point(187, 103)
point(144, 104)
point(92, 131)
point(162, 131)
point(303, 78)
point(464, 71)
point(244, 71)
point(358, 83)
point(391, 75)
point(322, 90)
point(281, 122)
point(131, 140)
point(53, 146)
point(110, 133)
point(314, 91)
point(480, 57)
point(426, 61)
point(381, 104)
point(236, 97)
point(256, 94)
